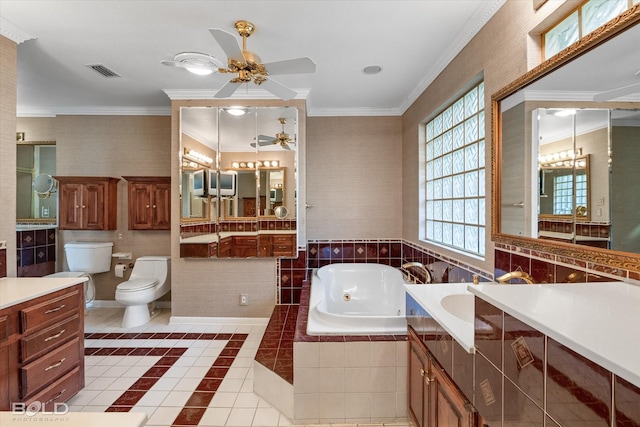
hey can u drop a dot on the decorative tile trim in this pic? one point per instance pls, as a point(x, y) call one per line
point(199, 400)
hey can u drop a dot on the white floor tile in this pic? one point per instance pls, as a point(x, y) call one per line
point(241, 417)
point(163, 415)
point(215, 417)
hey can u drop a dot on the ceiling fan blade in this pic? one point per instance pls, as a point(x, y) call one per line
point(228, 43)
point(278, 89)
point(291, 66)
point(285, 146)
point(617, 93)
point(183, 65)
point(227, 90)
point(265, 140)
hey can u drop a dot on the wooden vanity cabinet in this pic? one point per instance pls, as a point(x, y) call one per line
point(198, 250)
point(88, 202)
point(283, 245)
point(245, 246)
point(433, 398)
point(149, 202)
point(42, 354)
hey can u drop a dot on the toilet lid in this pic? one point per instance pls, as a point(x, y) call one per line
point(137, 285)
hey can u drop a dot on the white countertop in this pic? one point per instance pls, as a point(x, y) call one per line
point(75, 419)
point(431, 298)
point(14, 290)
point(600, 321)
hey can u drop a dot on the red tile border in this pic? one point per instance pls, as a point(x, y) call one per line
point(196, 405)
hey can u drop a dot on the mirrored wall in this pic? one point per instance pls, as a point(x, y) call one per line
point(238, 182)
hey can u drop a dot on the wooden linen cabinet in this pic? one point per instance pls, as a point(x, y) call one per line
point(149, 202)
point(88, 202)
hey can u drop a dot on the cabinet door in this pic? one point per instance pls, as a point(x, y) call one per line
point(140, 211)
point(161, 205)
point(70, 210)
point(93, 206)
point(447, 406)
point(417, 388)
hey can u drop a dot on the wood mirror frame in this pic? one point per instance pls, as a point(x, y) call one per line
point(615, 259)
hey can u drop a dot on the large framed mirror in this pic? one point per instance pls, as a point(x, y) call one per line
point(565, 151)
point(247, 158)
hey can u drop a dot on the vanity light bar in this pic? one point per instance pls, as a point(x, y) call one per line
point(560, 156)
point(259, 163)
point(198, 157)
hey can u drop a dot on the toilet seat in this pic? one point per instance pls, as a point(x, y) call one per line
point(136, 285)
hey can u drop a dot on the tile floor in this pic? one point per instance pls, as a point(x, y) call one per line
point(180, 375)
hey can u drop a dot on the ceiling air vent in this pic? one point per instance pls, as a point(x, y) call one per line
point(104, 71)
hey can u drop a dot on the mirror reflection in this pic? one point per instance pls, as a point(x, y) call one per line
point(35, 160)
point(580, 156)
point(252, 172)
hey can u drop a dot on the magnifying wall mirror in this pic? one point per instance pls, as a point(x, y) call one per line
point(248, 158)
point(562, 161)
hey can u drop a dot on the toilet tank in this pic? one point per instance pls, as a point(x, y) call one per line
point(90, 257)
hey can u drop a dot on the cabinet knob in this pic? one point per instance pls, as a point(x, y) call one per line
point(84, 206)
point(422, 372)
point(428, 380)
point(154, 206)
point(147, 206)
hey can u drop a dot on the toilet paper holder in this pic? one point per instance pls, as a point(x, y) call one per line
point(122, 255)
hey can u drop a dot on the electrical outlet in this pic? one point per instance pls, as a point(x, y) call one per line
point(45, 212)
point(244, 299)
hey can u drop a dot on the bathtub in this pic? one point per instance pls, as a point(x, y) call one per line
point(357, 299)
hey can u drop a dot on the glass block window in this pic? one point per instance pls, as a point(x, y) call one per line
point(455, 174)
point(586, 18)
point(563, 193)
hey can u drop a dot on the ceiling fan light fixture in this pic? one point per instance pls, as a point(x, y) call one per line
point(236, 111)
point(198, 63)
point(372, 69)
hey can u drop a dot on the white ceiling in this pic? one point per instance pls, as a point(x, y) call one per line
point(411, 40)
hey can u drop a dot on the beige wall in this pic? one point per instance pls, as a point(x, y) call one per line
point(354, 177)
point(8, 150)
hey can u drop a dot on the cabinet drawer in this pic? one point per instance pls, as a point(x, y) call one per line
point(53, 365)
point(35, 316)
point(49, 338)
point(245, 241)
point(60, 391)
point(285, 239)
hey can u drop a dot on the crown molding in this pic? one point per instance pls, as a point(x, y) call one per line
point(94, 111)
point(13, 32)
point(352, 112)
point(184, 94)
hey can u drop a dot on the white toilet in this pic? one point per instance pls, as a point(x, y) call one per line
point(149, 280)
point(85, 259)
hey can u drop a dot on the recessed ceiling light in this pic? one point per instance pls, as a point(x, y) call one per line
point(372, 69)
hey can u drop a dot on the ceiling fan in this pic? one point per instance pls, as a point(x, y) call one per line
point(282, 138)
point(246, 65)
point(618, 92)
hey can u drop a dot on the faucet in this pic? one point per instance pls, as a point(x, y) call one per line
point(525, 277)
point(427, 273)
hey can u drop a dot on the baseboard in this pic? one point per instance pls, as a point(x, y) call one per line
point(188, 320)
point(101, 303)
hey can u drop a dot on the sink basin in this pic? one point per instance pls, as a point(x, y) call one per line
point(452, 306)
point(459, 305)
